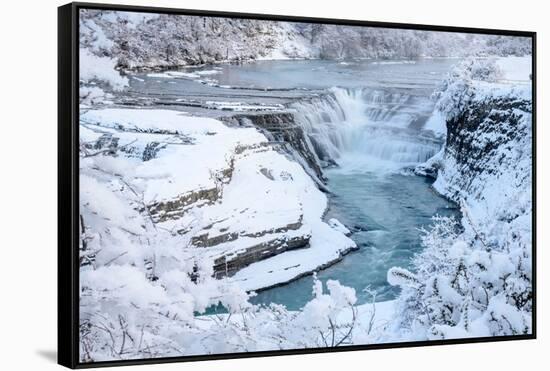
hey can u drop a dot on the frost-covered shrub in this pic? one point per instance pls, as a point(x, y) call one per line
point(456, 91)
point(482, 70)
point(329, 319)
point(91, 95)
point(460, 288)
point(100, 69)
point(97, 69)
point(140, 286)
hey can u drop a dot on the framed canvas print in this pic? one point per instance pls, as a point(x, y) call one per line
point(236, 185)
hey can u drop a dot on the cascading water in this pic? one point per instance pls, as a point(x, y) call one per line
point(371, 135)
point(368, 127)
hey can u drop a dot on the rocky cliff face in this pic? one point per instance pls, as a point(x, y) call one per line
point(489, 139)
point(474, 277)
point(281, 128)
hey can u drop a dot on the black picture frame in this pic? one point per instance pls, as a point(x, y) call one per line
point(68, 182)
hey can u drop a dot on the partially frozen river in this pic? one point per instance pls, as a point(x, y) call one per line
point(370, 120)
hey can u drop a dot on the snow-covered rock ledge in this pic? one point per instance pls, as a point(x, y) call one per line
point(226, 195)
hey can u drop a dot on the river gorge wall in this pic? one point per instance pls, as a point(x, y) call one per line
point(474, 277)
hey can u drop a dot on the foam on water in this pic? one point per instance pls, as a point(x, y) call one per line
point(370, 128)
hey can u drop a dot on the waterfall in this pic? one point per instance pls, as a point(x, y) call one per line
point(358, 125)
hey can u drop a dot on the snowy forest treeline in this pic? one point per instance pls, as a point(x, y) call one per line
point(140, 40)
point(142, 281)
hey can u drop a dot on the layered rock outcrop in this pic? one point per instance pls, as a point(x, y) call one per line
point(226, 194)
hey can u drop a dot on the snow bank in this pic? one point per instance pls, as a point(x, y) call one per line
point(436, 123)
point(159, 177)
point(100, 68)
point(198, 176)
point(326, 247)
point(516, 69)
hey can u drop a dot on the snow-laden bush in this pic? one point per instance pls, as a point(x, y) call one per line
point(91, 95)
point(101, 69)
point(454, 93)
point(460, 288)
point(140, 286)
point(330, 319)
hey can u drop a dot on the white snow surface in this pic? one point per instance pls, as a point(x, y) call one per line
point(160, 177)
point(93, 67)
point(372, 319)
point(436, 123)
point(516, 69)
point(326, 246)
point(265, 193)
point(337, 225)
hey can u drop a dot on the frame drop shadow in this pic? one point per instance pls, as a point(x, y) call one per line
point(50, 355)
